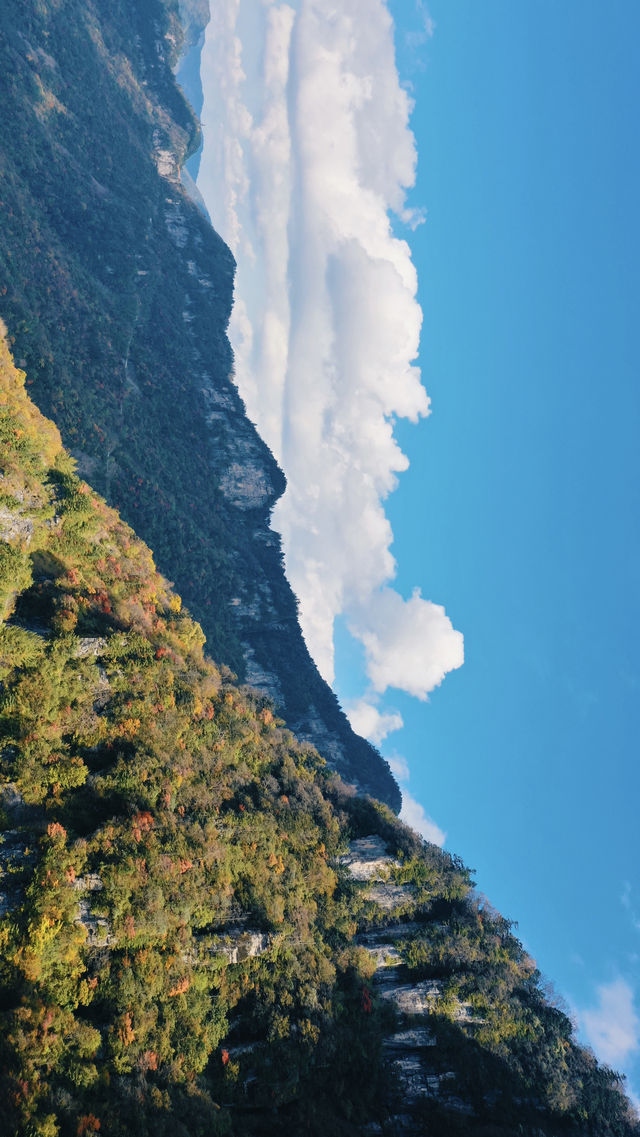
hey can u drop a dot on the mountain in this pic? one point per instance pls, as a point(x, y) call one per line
point(117, 292)
point(204, 928)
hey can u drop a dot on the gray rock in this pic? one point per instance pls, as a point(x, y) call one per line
point(242, 944)
point(90, 882)
point(385, 956)
point(414, 1039)
point(415, 999)
point(14, 527)
point(89, 646)
point(390, 896)
point(368, 859)
point(246, 484)
point(97, 928)
point(261, 679)
point(401, 931)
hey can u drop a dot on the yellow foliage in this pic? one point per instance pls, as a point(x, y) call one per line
point(39, 430)
point(128, 728)
point(126, 1033)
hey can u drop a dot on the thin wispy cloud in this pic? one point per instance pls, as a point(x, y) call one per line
point(307, 156)
point(372, 723)
point(628, 904)
point(612, 1027)
point(369, 721)
point(415, 815)
point(421, 34)
point(399, 767)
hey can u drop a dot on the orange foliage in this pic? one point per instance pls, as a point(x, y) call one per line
point(141, 823)
point(128, 727)
point(55, 829)
point(87, 1124)
point(181, 986)
point(126, 1033)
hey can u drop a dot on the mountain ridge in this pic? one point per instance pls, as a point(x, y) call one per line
point(202, 928)
point(117, 297)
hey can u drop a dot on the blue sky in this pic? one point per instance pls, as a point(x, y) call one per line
point(520, 506)
point(516, 518)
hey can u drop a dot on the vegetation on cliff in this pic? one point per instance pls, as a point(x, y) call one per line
point(117, 292)
point(181, 948)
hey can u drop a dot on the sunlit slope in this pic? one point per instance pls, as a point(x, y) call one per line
point(186, 948)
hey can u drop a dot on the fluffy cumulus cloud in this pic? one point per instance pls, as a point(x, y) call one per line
point(307, 156)
point(612, 1027)
point(408, 643)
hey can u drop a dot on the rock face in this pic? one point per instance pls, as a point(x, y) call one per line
point(368, 859)
point(117, 298)
point(410, 1048)
point(239, 944)
point(15, 528)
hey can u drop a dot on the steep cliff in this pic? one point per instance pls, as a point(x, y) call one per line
point(116, 292)
point(202, 929)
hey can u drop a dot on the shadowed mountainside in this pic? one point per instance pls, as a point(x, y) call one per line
point(117, 292)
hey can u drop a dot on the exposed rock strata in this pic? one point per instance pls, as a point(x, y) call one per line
point(410, 1049)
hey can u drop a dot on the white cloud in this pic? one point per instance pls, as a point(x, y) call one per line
point(414, 815)
point(426, 27)
point(307, 152)
point(399, 767)
point(370, 722)
point(626, 900)
point(633, 1098)
point(409, 644)
point(612, 1028)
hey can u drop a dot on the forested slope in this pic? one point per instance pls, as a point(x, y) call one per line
point(204, 931)
point(116, 292)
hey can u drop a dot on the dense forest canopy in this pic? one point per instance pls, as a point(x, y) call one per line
point(183, 947)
